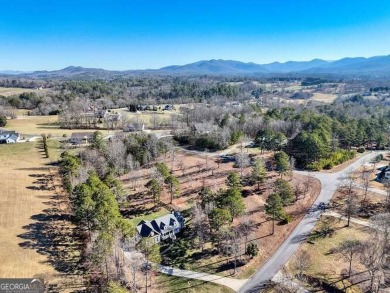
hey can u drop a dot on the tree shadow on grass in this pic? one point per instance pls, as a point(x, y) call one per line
point(51, 233)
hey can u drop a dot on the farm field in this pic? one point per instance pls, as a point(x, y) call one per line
point(37, 125)
point(35, 241)
point(149, 117)
point(8, 91)
point(325, 98)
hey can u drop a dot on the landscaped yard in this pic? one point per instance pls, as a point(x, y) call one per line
point(170, 284)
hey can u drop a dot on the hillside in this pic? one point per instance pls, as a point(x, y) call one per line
point(377, 65)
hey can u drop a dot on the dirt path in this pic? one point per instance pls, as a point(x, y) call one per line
point(352, 220)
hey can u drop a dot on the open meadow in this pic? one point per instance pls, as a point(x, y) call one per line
point(36, 238)
point(37, 125)
point(9, 91)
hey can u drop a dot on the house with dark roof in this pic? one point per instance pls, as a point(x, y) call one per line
point(8, 136)
point(169, 108)
point(384, 174)
point(161, 228)
point(81, 137)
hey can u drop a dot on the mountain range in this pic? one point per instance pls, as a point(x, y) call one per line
point(373, 66)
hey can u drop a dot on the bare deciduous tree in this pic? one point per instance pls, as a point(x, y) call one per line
point(246, 227)
point(366, 181)
point(200, 221)
point(242, 161)
point(349, 249)
point(135, 262)
point(302, 262)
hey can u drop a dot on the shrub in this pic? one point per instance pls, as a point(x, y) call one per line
point(361, 150)
point(333, 159)
point(286, 219)
point(252, 250)
point(3, 121)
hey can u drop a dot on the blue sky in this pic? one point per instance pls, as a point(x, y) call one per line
point(138, 34)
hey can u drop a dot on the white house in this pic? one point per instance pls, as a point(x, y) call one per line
point(8, 136)
point(81, 137)
point(161, 228)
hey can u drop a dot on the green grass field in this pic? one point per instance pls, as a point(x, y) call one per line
point(178, 285)
point(149, 217)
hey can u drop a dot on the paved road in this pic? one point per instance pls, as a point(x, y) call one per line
point(329, 184)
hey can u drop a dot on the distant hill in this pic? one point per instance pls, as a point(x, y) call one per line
point(374, 66)
point(13, 72)
point(359, 65)
point(216, 67)
point(294, 66)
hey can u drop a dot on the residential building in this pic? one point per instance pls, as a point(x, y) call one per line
point(81, 137)
point(8, 136)
point(162, 228)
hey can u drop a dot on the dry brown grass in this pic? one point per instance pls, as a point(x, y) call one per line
point(325, 98)
point(35, 240)
point(17, 164)
point(193, 177)
point(9, 91)
point(325, 263)
point(37, 125)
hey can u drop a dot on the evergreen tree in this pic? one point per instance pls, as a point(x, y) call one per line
point(252, 250)
point(285, 191)
point(219, 217)
point(232, 200)
point(98, 142)
point(258, 175)
point(233, 180)
point(3, 120)
point(163, 169)
point(154, 189)
point(173, 185)
point(282, 162)
point(206, 196)
point(274, 208)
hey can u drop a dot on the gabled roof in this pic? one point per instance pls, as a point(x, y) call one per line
point(150, 228)
point(81, 135)
point(6, 134)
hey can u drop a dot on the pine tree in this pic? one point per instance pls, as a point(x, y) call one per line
point(285, 191)
point(154, 190)
point(258, 175)
point(274, 208)
point(233, 180)
point(173, 185)
point(282, 162)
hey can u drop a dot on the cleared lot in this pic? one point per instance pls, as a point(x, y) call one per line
point(37, 239)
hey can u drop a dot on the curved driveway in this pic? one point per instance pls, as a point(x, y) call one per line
point(329, 184)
